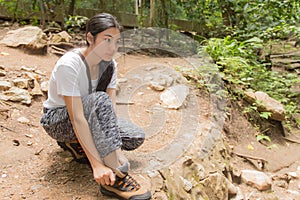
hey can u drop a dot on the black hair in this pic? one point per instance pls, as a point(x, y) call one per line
point(101, 22)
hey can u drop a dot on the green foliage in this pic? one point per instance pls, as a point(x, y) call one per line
point(72, 23)
point(260, 137)
point(238, 66)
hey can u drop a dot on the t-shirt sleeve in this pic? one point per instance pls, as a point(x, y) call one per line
point(67, 81)
point(113, 81)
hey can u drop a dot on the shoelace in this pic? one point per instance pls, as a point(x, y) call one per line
point(131, 182)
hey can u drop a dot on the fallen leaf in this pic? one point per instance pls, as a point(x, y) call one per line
point(250, 147)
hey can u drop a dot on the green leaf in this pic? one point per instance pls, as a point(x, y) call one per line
point(260, 137)
point(265, 115)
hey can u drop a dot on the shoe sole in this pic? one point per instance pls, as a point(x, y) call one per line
point(112, 194)
point(79, 160)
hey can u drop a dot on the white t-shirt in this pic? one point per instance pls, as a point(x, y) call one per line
point(69, 78)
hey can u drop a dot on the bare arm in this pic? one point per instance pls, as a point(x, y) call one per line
point(102, 174)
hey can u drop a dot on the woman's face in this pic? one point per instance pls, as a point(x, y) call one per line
point(106, 44)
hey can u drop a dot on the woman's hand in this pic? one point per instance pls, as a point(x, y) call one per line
point(104, 175)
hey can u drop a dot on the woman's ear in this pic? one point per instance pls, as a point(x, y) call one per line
point(90, 38)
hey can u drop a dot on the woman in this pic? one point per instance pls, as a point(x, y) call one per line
point(79, 112)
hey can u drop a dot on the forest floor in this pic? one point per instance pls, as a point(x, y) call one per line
point(37, 168)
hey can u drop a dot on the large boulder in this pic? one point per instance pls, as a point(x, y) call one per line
point(266, 104)
point(30, 37)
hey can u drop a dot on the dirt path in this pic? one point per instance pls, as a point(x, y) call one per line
point(38, 169)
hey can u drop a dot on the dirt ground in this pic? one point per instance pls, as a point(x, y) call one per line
point(38, 169)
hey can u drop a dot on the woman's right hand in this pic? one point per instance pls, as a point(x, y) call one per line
point(104, 175)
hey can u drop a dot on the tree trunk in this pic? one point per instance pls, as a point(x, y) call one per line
point(152, 12)
point(72, 7)
point(42, 12)
point(228, 13)
point(165, 14)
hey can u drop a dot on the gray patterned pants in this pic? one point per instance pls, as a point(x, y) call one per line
point(109, 133)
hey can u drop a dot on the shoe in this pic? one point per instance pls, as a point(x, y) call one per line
point(76, 150)
point(125, 187)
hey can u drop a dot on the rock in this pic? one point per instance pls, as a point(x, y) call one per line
point(31, 37)
point(293, 192)
point(36, 91)
point(24, 120)
point(215, 186)
point(2, 72)
point(21, 83)
point(27, 69)
point(4, 85)
point(18, 95)
point(165, 80)
point(60, 37)
point(239, 195)
point(160, 196)
point(256, 179)
point(187, 185)
point(122, 80)
point(266, 104)
point(157, 182)
point(293, 174)
point(45, 86)
point(174, 96)
point(156, 86)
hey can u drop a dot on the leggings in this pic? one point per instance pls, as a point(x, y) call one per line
point(109, 133)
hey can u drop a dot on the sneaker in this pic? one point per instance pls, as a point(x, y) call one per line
point(76, 150)
point(125, 187)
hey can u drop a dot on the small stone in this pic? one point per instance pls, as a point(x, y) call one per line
point(293, 174)
point(69, 159)
point(23, 120)
point(293, 192)
point(29, 135)
point(16, 142)
point(36, 91)
point(4, 85)
point(123, 80)
point(45, 86)
point(4, 53)
point(4, 175)
point(140, 93)
point(21, 83)
point(36, 187)
point(29, 143)
point(187, 185)
point(18, 95)
point(174, 96)
point(155, 86)
point(27, 69)
point(298, 168)
point(2, 73)
point(256, 179)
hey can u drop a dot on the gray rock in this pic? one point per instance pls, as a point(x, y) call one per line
point(266, 104)
point(174, 96)
point(256, 179)
point(156, 86)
